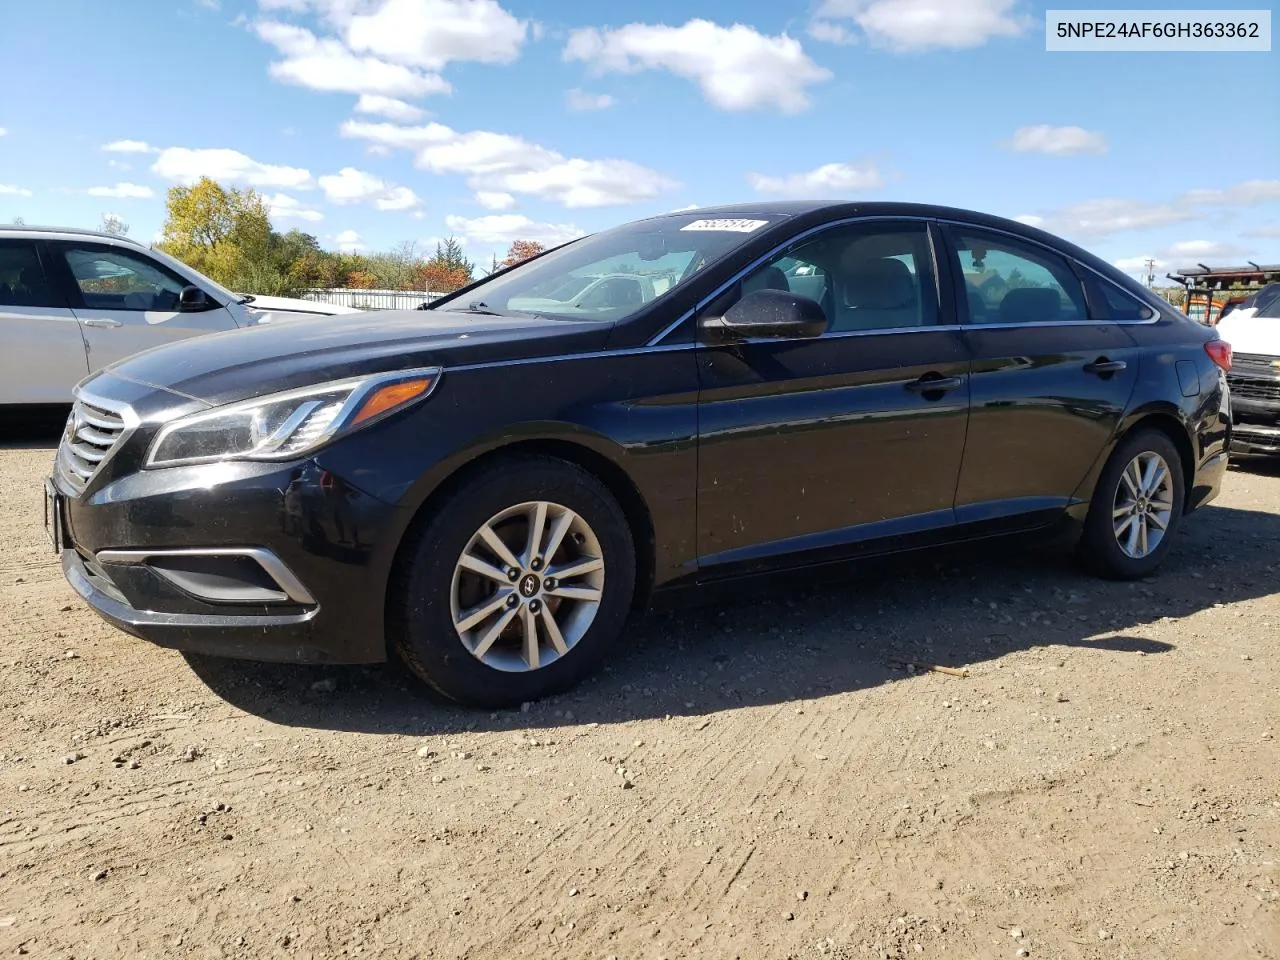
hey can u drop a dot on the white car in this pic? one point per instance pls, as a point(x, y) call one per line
point(74, 301)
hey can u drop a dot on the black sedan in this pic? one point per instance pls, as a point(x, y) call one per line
point(488, 488)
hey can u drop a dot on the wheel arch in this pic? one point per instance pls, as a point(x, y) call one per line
point(579, 451)
point(1164, 417)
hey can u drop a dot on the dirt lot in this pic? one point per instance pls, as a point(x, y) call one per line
point(753, 779)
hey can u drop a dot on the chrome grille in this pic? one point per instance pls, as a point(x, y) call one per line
point(91, 433)
point(1254, 388)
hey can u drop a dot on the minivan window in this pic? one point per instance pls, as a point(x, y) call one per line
point(22, 280)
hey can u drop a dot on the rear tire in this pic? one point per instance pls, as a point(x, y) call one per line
point(478, 612)
point(1136, 509)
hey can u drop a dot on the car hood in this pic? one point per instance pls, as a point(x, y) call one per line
point(225, 367)
point(293, 306)
point(1251, 334)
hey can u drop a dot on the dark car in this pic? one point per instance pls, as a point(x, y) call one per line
point(488, 493)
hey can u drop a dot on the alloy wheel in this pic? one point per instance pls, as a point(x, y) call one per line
point(1143, 506)
point(527, 586)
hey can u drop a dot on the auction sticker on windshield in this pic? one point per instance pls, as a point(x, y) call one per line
point(731, 226)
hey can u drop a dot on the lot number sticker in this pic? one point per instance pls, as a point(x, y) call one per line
point(730, 226)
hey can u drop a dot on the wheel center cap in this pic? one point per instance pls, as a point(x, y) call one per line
point(529, 585)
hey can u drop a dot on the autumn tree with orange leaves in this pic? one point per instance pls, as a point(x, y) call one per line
point(522, 250)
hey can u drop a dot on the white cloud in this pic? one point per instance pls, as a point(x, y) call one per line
point(828, 31)
point(495, 200)
point(1263, 232)
point(3, 132)
point(1100, 218)
point(9, 190)
point(1057, 141)
point(185, 165)
point(905, 25)
point(1030, 219)
point(736, 67)
point(285, 207)
point(325, 64)
point(348, 241)
point(1202, 250)
point(501, 163)
point(389, 107)
point(1138, 265)
point(431, 33)
point(129, 146)
point(1244, 194)
point(398, 198)
point(828, 178)
point(123, 191)
point(581, 100)
point(119, 165)
point(504, 228)
point(684, 209)
point(350, 185)
point(392, 135)
point(1184, 254)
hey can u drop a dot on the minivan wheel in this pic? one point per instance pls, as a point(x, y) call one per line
point(1136, 509)
point(516, 587)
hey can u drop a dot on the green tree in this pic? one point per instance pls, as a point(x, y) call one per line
point(112, 224)
point(224, 232)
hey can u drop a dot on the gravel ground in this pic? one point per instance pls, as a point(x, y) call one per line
point(755, 777)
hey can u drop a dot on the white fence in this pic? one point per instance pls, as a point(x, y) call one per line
point(372, 299)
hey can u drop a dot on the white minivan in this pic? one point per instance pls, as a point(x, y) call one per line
point(74, 301)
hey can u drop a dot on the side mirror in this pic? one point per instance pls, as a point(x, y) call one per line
point(772, 313)
point(193, 299)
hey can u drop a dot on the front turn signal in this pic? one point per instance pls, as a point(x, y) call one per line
point(387, 398)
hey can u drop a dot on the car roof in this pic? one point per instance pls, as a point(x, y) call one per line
point(852, 208)
point(65, 231)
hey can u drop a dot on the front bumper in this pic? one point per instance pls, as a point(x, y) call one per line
point(1255, 438)
point(253, 561)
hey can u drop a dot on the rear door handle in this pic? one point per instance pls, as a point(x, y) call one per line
point(935, 384)
point(1103, 367)
point(103, 322)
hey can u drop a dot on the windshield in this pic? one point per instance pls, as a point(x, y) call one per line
point(611, 275)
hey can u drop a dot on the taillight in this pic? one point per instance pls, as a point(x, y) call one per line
point(1219, 352)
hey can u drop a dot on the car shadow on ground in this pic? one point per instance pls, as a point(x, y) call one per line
point(798, 638)
point(852, 630)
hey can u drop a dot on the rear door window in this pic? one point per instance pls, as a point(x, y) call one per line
point(1008, 281)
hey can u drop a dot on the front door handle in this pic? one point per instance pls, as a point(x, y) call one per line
point(928, 384)
point(103, 322)
point(1102, 367)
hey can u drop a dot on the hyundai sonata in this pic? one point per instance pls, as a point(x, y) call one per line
point(488, 488)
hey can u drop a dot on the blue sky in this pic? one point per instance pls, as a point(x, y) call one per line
point(371, 122)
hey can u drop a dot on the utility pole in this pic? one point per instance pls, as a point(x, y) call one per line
point(1151, 274)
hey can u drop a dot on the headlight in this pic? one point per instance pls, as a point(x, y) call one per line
point(284, 426)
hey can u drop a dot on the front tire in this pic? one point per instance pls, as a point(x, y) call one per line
point(1136, 509)
point(517, 585)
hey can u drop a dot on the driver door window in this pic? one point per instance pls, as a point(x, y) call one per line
point(866, 276)
point(113, 279)
point(128, 302)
